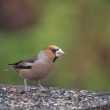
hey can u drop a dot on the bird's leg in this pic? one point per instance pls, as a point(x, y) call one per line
point(39, 84)
point(25, 88)
point(25, 85)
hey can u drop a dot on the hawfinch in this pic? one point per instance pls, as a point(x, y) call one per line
point(38, 67)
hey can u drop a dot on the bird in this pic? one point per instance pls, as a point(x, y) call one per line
point(38, 67)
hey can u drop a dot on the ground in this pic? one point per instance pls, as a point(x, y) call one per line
point(12, 98)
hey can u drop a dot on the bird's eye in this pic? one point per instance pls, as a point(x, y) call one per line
point(54, 50)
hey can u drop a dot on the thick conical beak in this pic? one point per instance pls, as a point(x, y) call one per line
point(59, 52)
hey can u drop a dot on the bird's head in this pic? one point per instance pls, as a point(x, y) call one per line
point(52, 52)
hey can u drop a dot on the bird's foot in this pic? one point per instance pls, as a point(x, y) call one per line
point(42, 88)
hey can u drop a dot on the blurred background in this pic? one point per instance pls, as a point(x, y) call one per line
point(80, 27)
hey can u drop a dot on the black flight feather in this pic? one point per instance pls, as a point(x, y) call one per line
point(25, 64)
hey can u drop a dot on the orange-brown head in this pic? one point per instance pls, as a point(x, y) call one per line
point(52, 52)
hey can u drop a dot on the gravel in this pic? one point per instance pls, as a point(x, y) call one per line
point(13, 98)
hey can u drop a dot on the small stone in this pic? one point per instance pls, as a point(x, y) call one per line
point(12, 89)
point(4, 88)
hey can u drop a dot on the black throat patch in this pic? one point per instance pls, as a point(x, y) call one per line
point(54, 59)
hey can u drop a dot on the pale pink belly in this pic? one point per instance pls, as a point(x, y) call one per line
point(35, 73)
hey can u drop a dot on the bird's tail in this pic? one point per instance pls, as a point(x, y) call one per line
point(9, 69)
